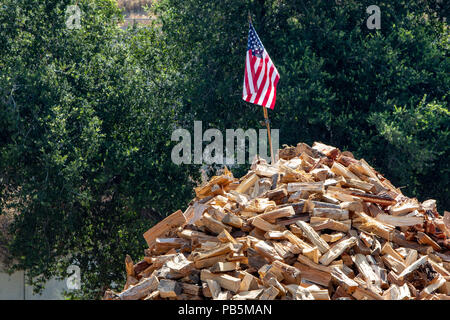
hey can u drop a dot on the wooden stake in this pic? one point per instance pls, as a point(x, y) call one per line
point(266, 118)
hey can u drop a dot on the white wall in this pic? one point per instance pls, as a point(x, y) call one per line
point(12, 287)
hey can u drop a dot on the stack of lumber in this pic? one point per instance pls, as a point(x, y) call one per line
point(317, 224)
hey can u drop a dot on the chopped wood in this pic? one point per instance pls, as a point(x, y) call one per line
point(214, 288)
point(387, 249)
point(232, 220)
point(305, 186)
point(248, 295)
point(249, 282)
point(318, 224)
point(423, 238)
point(269, 293)
point(341, 278)
point(247, 184)
point(332, 237)
point(265, 226)
point(413, 266)
point(399, 221)
point(226, 281)
point(313, 254)
point(275, 214)
point(169, 288)
point(140, 290)
point(175, 220)
point(313, 236)
point(337, 250)
point(336, 214)
point(220, 250)
point(214, 225)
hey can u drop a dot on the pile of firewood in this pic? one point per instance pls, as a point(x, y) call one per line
point(317, 224)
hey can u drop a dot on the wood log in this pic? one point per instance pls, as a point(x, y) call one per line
point(274, 235)
point(269, 293)
point(333, 213)
point(226, 281)
point(413, 267)
point(423, 238)
point(245, 185)
point(129, 266)
point(214, 288)
point(340, 170)
point(365, 269)
point(217, 251)
point(313, 254)
point(358, 184)
point(296, 240)
point(399, 221)
point(232, 220)
point(313, 275)
point(214, 225)
point(179, 266)
point(191, 289)
point(174, 220)
point(265, 249)
point(332, 225)
point(387, 249)
point(287, 211)
point(248, 295)
point(317, 187)
point(435, 284)
point(341, 278)
point(266, 226)
point(394, 264)
point(140, 290)
point(337, 250)
point(318, 294)
point(290, 273)
point(152, 296)
point(224, 266)
point(248, 283)
point(332, 237)
point(299, 293)
point(191, 235)
point(403, 208)
point(313, 236)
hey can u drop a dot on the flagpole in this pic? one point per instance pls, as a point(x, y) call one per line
point(266, 115)
point(266, 118)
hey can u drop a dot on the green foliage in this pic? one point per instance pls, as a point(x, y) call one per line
point(86, 118)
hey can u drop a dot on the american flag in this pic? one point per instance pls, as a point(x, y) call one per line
point(261, 76)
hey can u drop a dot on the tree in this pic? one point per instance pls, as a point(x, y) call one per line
point(86, 117)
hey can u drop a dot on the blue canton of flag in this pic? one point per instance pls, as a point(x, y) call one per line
point(253, 43)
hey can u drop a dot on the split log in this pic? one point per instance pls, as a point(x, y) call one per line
point(269, 293)
point(399, 221)
point(341, 278)
point(313, 236)
point(174, 220)
point(337, 250)
point(226, 281)
point(336, 214)
point(214, 225)
point(249, 295)
point(266, 226)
